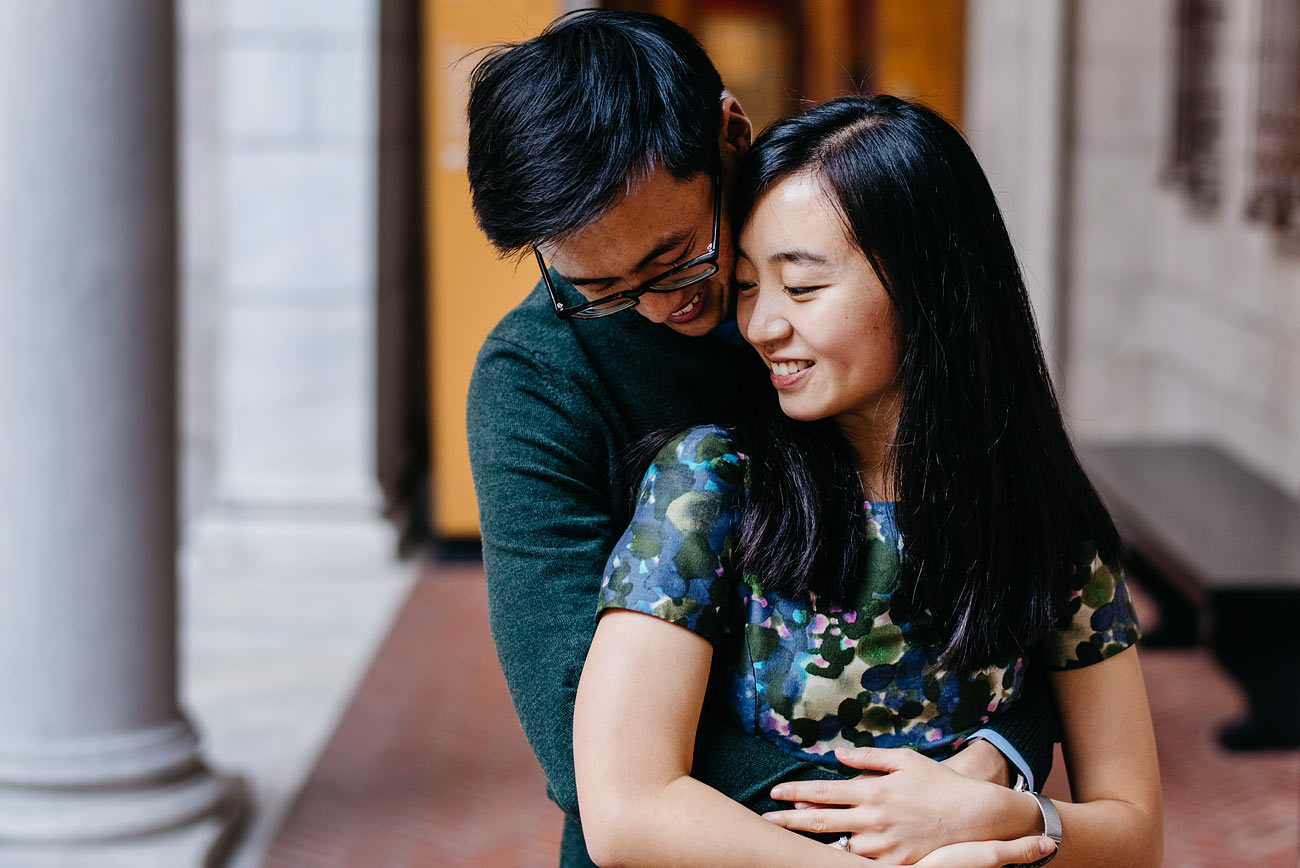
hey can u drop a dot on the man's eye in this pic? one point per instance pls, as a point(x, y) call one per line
point(685, 254)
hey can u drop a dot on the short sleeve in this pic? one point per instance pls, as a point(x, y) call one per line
point(1099, 621)
point(670, 562)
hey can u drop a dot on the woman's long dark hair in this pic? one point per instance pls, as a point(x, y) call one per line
point(992, 504)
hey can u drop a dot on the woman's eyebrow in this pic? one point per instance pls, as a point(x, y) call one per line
point(798, 256)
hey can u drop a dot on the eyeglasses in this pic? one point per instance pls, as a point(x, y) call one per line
point(678, 277)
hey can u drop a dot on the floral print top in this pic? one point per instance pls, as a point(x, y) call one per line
point(811, 676)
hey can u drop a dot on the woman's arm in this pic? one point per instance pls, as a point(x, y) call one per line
point(634, 726)
point(1110, 753)
point(638, 703)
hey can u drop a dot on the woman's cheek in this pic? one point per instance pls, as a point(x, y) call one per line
point(744, 309)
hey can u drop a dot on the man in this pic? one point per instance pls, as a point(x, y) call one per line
point(603, 149)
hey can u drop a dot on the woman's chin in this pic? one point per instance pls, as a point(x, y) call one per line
point(798, 413)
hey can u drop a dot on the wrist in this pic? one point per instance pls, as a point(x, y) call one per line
point(1017, 815)
point(980, 760)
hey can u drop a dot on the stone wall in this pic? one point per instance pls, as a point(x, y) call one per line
point(1183, 322)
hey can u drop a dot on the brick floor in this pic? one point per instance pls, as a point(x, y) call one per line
point(1221, 809)
point(428, 766)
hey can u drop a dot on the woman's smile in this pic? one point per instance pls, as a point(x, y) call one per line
point(786, 374)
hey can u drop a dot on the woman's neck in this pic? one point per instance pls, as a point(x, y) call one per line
point(873, 440)
point(877, 477)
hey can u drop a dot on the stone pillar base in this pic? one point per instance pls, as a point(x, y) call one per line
point(203, 840)
point(270, 543)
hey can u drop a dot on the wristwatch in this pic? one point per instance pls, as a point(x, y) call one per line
point(1051, 824)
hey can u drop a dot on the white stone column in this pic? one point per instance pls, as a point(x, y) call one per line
point(1016, 109)
point(94, 749)
point(290, 236)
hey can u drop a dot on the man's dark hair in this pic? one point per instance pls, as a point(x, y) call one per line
point(993, 505)
point(561, 124)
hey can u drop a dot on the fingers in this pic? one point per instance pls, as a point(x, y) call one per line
point(881, 759)
point(814, 792)
point(813, 820)
point(990, 854)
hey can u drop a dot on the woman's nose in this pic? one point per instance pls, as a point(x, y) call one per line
point(766, 324)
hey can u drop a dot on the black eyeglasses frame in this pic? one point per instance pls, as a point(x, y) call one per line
point(632, 297)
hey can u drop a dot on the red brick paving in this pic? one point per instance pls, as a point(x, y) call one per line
point(1221, 809)
point(428, 766)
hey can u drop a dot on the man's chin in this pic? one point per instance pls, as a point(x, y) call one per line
point(698, 327)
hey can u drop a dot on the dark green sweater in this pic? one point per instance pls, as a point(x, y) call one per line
point(553, 405)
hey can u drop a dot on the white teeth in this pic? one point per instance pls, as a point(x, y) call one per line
point(690, 306)
point(785, 369)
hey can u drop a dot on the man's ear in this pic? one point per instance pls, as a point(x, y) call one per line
point(736, 128)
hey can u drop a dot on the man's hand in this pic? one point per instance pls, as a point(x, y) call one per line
point(908, 807)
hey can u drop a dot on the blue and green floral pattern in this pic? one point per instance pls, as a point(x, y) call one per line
point(809, 675)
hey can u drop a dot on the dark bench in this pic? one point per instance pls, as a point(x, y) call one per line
point(1219, 549)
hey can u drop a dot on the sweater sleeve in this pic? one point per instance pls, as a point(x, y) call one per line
point(540, 467)
point(1030, 727)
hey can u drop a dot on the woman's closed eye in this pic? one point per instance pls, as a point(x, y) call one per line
point(803, 290)
point(744, 287)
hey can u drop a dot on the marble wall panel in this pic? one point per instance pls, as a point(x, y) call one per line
point(266, 93)
point(291, 428)
point(343, 97)
point(1118, 106)
point(299, 221)
point(294, 18)
point(1111, 222)
point(1179, 409)
point(1110, 28)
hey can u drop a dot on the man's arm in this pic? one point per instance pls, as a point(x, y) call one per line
point(541, 478)
point(1026, 732)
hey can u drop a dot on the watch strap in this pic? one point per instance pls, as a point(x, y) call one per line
point(1051, 829)
point(1051, 817)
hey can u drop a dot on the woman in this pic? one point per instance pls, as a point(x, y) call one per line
point(877, 282)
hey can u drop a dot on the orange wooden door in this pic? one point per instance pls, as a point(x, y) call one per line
point(469, 288)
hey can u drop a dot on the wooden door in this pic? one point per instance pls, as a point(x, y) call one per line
point(468, 287)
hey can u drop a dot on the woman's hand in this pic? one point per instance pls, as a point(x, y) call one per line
point(990, 854)
point(915, 806)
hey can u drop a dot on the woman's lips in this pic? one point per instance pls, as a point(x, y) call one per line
point(786, 374)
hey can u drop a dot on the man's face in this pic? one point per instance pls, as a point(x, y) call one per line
point(661, 222)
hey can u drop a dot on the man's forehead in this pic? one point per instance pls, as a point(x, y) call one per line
point(657, 217)
point(593, 260)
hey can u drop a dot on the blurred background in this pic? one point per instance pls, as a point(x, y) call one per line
point(311, 681)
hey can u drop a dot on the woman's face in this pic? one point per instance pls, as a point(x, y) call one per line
point(811, 304)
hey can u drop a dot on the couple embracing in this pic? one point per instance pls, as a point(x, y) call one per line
point(790, 560)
